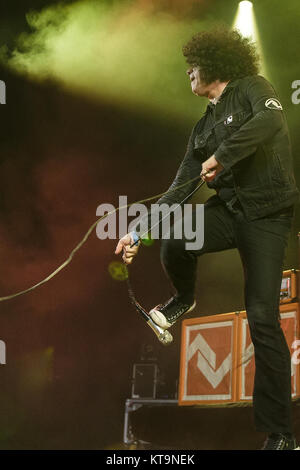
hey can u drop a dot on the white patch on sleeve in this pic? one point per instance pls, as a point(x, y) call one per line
point(273, 103)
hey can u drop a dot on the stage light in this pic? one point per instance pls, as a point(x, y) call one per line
point(118, 271)
point(245, 21)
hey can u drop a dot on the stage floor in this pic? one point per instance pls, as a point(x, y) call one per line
point(162, 424)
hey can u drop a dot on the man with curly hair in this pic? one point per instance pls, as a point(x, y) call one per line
point(241, 148)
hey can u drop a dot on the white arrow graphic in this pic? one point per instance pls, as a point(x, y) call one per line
point(247, 355)
point(206, 361)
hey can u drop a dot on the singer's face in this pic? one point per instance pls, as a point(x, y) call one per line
point(199, 87)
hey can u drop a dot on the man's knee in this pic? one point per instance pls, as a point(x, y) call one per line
point(263, 320)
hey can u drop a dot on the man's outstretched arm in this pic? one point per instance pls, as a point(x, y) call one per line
point(189, 168)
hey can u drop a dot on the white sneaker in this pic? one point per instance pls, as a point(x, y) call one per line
point(165, 315)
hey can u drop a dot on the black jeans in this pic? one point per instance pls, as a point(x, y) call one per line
point(261, 244)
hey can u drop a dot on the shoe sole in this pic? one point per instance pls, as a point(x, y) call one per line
point(160, 320)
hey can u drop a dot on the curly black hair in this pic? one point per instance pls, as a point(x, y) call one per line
point(222, 54)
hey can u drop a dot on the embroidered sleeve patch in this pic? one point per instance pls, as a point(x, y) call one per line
point(273, 103)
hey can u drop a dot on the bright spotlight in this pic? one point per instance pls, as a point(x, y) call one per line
point(246, 4)
point(246, 24)
point(245, 21)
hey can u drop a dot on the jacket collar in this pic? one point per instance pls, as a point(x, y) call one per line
point(230, 85)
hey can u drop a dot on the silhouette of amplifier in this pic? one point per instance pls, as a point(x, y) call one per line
point(289, 291)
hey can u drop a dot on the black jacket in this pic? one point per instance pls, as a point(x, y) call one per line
point(248, 134)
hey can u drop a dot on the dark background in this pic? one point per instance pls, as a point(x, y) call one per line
point(71, 343)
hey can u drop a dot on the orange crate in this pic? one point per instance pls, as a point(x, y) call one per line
point(246, 365)
point(208, 359)
point(289, 286)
